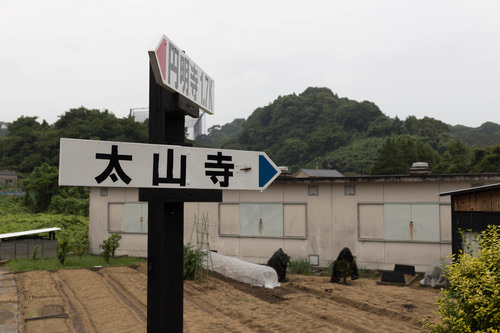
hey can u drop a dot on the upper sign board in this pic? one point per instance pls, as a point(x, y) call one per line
point(137, 165)
point(174, 70)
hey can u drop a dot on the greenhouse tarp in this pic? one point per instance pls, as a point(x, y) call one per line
point(434, 277)
point(243, 271)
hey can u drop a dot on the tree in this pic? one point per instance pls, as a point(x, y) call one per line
point(457, 159)
point(400, 152)
point(486, 160)
point(41, 186)
point(430, 129)
point(358, 116)
point(472, 299)
point(94, 124)
point(23, 148)
point(391, 160)
point(218, 135)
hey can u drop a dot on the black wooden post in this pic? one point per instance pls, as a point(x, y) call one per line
point(165, 223)
point(166, 216)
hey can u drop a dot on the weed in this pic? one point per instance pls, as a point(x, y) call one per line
point(300, 266)
point(34, 252)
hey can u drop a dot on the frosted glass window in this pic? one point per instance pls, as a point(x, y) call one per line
point(116, 217)
point(261, 220)
point(411, 222)
point(128, 217)
point(229, 219)
point(136, 217)
point(294, 220)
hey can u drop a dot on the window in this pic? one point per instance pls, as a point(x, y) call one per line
point(314, 259)
point(413, 222)
point(349, 189)
point(128, 217)
point(312, 190)
point(264, 220)
point(275, 220)
point(400, 221)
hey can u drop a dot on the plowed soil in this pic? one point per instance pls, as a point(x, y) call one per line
point(114, 300)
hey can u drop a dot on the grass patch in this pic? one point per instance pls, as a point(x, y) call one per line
point(300, 266)
point(85, 261)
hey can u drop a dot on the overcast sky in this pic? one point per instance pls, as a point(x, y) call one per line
point(424, 58)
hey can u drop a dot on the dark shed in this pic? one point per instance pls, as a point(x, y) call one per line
point(473, 209)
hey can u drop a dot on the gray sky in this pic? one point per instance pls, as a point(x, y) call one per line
point(424, 58)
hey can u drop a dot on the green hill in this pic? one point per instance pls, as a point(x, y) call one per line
point(317, 128)
point(485, 135)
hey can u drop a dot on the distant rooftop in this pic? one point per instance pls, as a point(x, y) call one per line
point(308, 173)
point(8, 173)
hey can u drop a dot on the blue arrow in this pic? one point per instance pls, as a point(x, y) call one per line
point(266, 171)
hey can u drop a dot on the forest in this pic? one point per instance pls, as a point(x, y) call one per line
point(318, 129)
point(315, 129)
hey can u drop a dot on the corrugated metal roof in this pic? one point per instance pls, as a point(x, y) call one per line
point(28, 232)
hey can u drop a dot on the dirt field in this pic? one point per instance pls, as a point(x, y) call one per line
point(114, 300)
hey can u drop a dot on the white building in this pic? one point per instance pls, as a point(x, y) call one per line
point(384, 220)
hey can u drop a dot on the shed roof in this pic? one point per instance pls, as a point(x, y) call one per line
point(319, 173)
point(28, 232)
point(472, 189)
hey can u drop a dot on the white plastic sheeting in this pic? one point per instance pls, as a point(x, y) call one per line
point(243, 271)
point(434, 276)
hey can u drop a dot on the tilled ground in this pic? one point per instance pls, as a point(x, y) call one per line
point(114, 300)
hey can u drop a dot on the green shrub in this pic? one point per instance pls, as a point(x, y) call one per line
point(62, 249)
point(69, 205)
point(471, 302)
point(344, 267)
point(34, 252)
point(13, 205)
point(41, 186)
point(193, 258)
point(110, 245)
point(300, 266)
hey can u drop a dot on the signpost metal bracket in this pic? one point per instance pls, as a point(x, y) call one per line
point(175, 195)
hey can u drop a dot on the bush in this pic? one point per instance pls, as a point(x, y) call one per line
point(62, 249)
point(41, 186)
point(34, 252)
point(344, 268)
point(472, 300)
point(300, 266)
point(110, 245)
point(193, 258)
point(69, 205)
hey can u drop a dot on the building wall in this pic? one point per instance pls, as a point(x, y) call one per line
point(319, 219)
point(102, 203)
point(8, 180)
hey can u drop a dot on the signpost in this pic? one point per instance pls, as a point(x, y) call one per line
point(167, 173)
point(175, 71)
point(122, 164)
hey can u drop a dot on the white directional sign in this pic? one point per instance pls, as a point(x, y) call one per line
point(174, 70)
point(121, 164)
